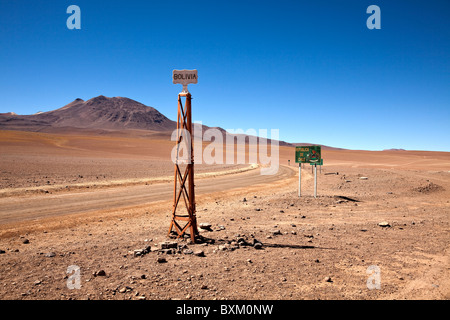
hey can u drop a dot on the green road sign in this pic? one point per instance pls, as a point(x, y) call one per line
point(308, 154)
point(320, 163)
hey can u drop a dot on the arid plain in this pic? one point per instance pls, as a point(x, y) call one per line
point(103, 202)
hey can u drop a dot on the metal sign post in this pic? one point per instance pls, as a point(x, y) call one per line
point(311, 155)
point(184, 124)
point(315, 181)
point(299, 180)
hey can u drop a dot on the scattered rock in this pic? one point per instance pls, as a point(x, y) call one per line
point(100, 273)
point(205, 226)
point(384, 224)
point(26, 241)
point(2, 251)
point(327, 279)
point(188, 251)
point(199, 253)
point(141, 252)
point(168, 245)
point(161, 260)
point(363, 178)
point(258, 245)
point(276, 232)
point(37, 282)
point(50, 254)
point(204, 287)
point(241, 241)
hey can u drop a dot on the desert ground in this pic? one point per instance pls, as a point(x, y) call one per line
point(103, 203)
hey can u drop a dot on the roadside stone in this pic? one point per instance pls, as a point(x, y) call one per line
point(188, 251)
point(199, 253)
point(205, 226)
point(363, 178)
point(276, 232)
point(168, 245)
point(327, 279)
point(166, 251)
point(258, 245)
point(2, 251)
point(26, 241)
point(100, 273)
point(384, 224)
point(241, 241)
point(161, 260)
point(50, 254)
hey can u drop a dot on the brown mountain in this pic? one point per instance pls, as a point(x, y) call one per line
point(97, 113)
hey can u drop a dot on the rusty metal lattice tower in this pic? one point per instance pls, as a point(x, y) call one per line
point(184, 183)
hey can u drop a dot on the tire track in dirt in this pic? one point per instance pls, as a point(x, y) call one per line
point(16, 209)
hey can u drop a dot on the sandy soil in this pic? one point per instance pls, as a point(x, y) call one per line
point(41, 162)
point(311, 248)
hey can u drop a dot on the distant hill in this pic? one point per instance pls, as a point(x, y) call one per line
point(312, 144)
point(97, 113)
point(100, 115)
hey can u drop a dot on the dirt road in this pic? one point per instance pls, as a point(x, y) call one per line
point(15, 209)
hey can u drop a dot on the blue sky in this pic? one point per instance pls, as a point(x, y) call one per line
point(311, 69)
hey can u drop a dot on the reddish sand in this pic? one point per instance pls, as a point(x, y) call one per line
point(323, 249)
